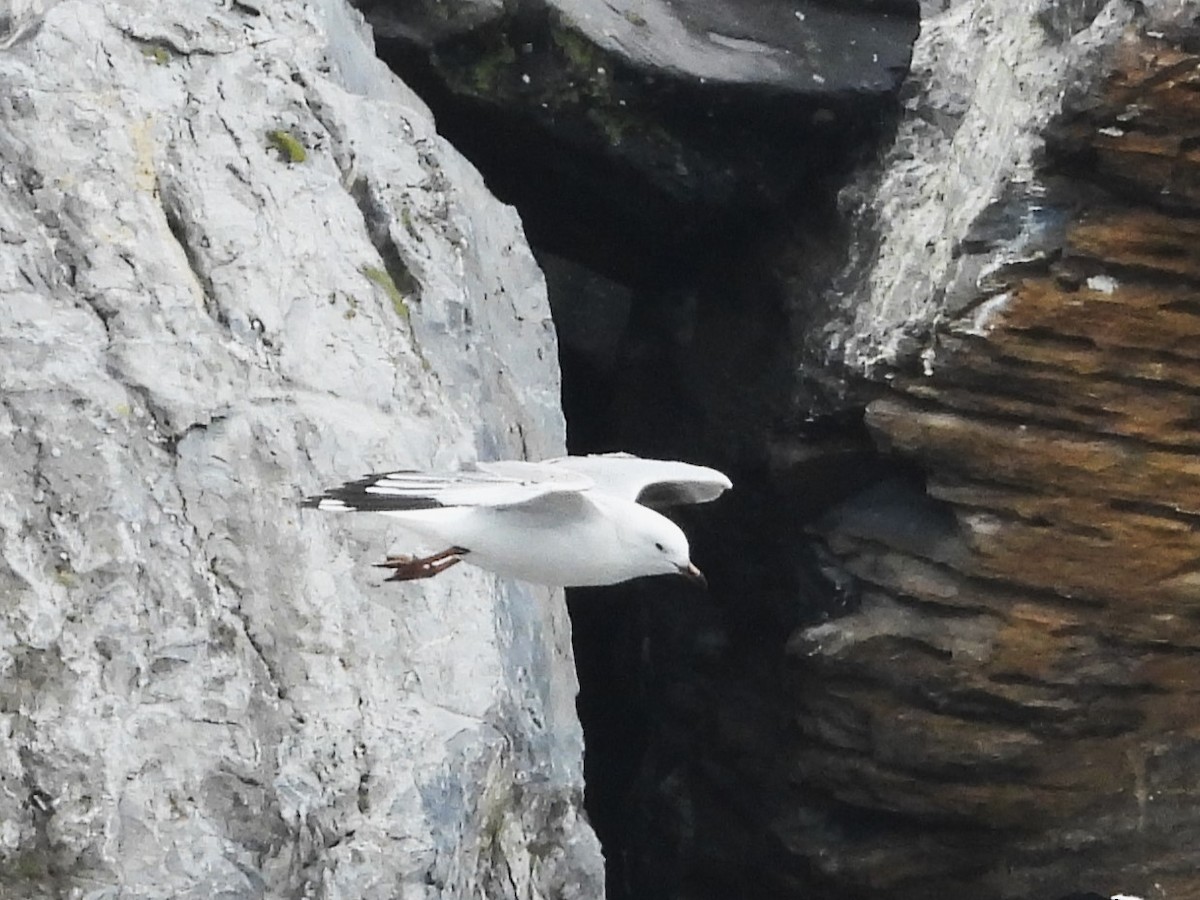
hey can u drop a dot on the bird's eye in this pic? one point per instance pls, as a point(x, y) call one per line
point(659, 546)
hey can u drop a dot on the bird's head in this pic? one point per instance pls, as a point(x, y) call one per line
point(659, 547)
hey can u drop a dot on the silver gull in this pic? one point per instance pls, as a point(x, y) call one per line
point(568, 522)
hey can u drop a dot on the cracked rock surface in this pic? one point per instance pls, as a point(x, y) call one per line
point(238, 263)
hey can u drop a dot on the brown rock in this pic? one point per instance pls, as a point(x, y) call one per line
point(1016, 698)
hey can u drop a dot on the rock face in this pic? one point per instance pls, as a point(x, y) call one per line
point(237, 264)
point(1009, 712)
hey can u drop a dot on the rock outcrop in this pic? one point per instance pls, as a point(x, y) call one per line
point(667, 124)
point(237, 263)
point(1009, 712)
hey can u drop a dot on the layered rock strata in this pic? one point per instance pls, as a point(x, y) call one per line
point(1011, 711)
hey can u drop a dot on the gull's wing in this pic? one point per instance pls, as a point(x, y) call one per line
point(656, 483)
point(506, 483)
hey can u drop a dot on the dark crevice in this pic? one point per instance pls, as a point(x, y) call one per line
point(1144, 274)
point(1133, 690)
point(1044, 335)
point(1156, 510)
point(933, 610)
point(377, 218)
point(273, 677)
point(341, 147)
point(172, 440)
point(1189, 307)
point(181, 230)
point(1103, 422)
point(158, 415)
point(1071, 154)
point(681, 268)
point(103, 311)
point(221, 580)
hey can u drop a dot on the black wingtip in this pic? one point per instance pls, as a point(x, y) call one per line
point(356, 496)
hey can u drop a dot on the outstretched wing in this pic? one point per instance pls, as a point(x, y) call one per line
point(656, 483)
point(506, 483)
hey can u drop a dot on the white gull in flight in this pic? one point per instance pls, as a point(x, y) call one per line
point(567, 522)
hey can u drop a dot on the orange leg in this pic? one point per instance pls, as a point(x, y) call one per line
point(407, 568)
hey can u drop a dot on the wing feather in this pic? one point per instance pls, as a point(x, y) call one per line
point(657, 483)
point(507, 483)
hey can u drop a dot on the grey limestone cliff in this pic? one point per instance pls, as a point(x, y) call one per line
point(236, 263)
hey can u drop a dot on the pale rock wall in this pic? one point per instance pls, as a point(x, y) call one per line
point(961, 175)
point(203, 690)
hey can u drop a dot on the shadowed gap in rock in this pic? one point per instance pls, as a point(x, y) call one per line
point(678, 320)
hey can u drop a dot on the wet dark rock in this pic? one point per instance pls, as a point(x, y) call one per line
point(660, 125)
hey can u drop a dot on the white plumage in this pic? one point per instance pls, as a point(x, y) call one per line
point(571, 521)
